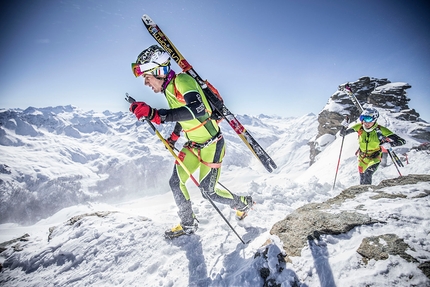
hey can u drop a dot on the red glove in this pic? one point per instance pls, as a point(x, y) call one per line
point(141, 109)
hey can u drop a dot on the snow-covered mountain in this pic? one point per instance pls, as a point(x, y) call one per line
point(56, 157)
point(91, 191)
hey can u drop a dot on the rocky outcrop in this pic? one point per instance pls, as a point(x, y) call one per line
point(274, 271)
point(315, 219)
point(17, 246)
point(381, 246)
point(379, 93)
point(310, 221)
point(75, 220)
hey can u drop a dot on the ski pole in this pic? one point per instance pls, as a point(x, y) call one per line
point(132, 100)
point(340, 154)
point(394, 161)
point(353, 98)
point(398, 161)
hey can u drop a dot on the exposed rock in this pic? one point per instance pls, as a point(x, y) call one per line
point(380, 93)
point(329, 122)
point(16, 247)
point(387, 195)
point(404, 180)
point(314, 219)
point(380, 247)
point(353, 191)
point(425, 268)
point(273, 267)
point(5, 169)
point(308, 222)
point(424, 146)
point(77, 218)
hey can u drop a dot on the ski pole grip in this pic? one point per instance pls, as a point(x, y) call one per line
point(129, 98)
point(132, 100)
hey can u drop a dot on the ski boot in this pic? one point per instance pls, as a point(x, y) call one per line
point(241, 213)
point(180, 230)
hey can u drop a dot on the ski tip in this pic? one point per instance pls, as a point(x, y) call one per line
point(147, 20)
point(273, 164)
point(269, 168)
point(270, 165)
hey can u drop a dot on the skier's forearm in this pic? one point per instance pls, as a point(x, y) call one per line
point(194, 108)
point(395, 140)
point(347, 132)
point(177, 130)
point(184, 113)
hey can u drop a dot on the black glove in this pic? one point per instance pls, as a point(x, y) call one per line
point(342, 132)
point(345, 124)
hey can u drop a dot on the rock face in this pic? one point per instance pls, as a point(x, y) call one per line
point(309, 222)
point(379, 93)
point(380, 247)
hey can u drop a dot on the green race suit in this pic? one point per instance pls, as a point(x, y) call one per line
point(191, 110)
point(369, 152)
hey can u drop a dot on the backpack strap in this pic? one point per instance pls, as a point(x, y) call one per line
point(381, 137)
point(178, 94)
point(181, 99)
point(377, 129)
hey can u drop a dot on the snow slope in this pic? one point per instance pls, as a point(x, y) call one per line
point(120, 242)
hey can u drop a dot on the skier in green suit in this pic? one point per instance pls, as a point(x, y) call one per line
point(205, 145)
point(372, 139)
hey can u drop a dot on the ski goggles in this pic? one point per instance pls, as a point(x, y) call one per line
point(137, 70)
point(367, 119)
point(159, 70)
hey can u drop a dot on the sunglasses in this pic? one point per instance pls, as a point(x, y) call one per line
point(367, 119)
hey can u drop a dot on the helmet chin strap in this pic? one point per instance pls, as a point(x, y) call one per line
point(167, 80)
point(371, 128)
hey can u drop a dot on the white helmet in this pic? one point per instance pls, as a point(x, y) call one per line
point(369, 115)
point(153, 60)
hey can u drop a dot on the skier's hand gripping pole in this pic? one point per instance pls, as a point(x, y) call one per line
point(131, 100)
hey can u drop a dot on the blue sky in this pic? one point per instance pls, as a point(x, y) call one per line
point(273, 57)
